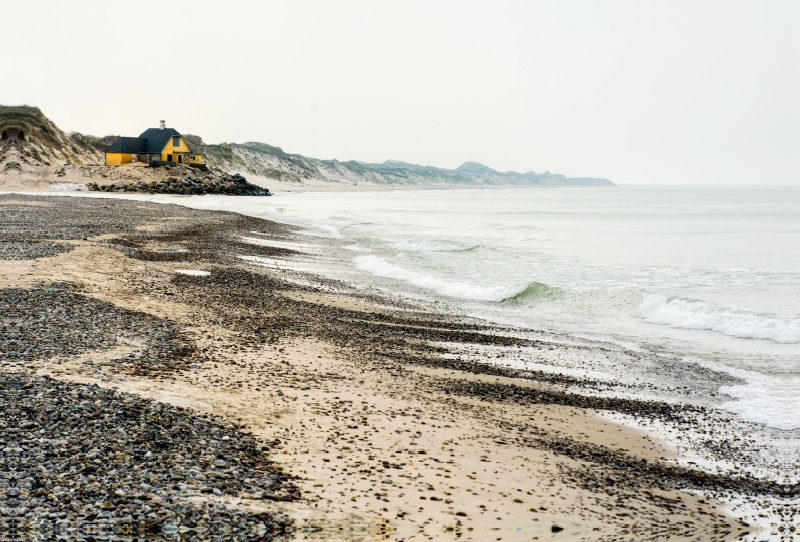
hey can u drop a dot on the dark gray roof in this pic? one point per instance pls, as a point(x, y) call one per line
point(156, 138)
point(128, 144)
point(151, 141)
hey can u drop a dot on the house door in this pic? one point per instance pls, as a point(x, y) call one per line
point(180, 158)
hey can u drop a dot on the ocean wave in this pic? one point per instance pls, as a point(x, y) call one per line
point(462, 290)
point(425, 245)
point(596, 298)
point(694, 314)
point(538, 291)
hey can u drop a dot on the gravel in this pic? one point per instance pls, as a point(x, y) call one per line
point(31, 250)
point(56, 321)
point(82, 457)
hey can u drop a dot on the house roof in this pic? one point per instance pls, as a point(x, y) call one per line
point(151, 141)
point(157, 139)
point(128, 144)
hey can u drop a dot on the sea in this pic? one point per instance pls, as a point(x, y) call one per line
point(706, 275)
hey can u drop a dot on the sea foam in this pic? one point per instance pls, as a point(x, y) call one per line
point(767, 399)
point(694, 314)
point(67, 186)
point(381, 268)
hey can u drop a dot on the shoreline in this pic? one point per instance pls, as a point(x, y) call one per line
point(355, 380)
point(42, 179)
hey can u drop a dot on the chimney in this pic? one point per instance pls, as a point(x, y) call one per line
point(163, 125)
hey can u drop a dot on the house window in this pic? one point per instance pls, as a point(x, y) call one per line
point(176, 141)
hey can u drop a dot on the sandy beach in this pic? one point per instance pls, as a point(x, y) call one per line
point(400, 272)
point(385, 416)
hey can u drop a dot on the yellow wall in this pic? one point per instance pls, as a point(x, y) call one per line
point(169, 149)
point(117, 158)
point(183, 147)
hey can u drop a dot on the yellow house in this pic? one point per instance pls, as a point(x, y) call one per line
point(160, 146)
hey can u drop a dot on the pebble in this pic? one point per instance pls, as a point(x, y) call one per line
point(56, 320)
point(11, 249)
point(78, 453)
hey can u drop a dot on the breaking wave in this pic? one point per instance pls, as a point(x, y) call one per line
point(694, 314)
point(536, 291)
point(462, 290)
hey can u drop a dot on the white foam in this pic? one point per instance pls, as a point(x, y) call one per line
point(763, 398)
point(193, 272)
point(693, 314)
point(66, 186)
point(278, 244)
point(380, 267)
point(767, 399)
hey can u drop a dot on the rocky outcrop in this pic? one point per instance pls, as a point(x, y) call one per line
point(234, 185)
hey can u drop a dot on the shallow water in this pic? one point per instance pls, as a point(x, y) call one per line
point(712, 275)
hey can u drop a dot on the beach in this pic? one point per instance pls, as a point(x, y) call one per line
point(383, 412)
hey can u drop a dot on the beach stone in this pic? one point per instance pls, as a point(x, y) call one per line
point(11, 249)
point(145, 446)
point(58, 321)
point(206, 183)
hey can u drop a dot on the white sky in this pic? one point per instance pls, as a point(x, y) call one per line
point(635, 91)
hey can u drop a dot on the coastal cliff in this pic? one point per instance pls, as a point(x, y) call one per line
point(273, 162)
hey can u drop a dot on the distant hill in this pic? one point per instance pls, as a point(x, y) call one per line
point(273, 162)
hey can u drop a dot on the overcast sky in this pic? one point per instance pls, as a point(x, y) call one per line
point(634, 91)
